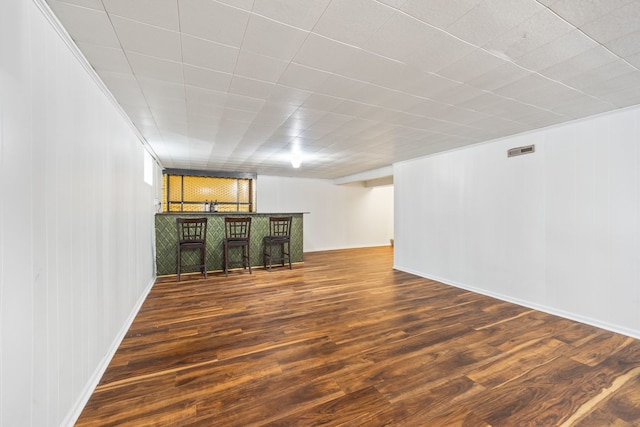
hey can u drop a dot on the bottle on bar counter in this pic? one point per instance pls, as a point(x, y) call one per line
point(206, 206)
point(215, 206)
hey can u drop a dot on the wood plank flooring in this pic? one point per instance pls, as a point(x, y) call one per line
point(343, 339)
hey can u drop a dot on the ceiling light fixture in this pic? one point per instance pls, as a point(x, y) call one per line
point(296, 159)
point(296, 154)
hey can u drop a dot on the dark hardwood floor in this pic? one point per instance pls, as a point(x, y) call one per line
point(343, 339)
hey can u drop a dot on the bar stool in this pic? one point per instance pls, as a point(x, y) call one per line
point(192, 234)
point(237, 234)
point(279, 235)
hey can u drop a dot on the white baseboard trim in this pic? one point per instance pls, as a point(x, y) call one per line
point(76, 409)
point(633, 333)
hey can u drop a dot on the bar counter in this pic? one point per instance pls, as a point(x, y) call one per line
point(167, 238)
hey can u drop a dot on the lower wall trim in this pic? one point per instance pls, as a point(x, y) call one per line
point(633, 333)
point(76, 409)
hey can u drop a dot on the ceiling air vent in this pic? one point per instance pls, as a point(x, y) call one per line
point(521, 150)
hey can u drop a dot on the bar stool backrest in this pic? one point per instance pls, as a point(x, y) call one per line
point(280, 227)
point(192, 230)
point(237, 228)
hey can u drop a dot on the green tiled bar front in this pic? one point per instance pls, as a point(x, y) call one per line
point(167, 239)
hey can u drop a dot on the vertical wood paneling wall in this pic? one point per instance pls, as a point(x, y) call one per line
point(76, 224)
point(557, 230)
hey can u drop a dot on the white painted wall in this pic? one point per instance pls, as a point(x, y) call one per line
point(340, 216)
point(558, 230)
point(76, 224)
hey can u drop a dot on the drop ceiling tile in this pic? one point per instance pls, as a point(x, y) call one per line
point(585, 61)
point(142, 117)
point(371, 68)
point(299, 14)
point(582, 106)
point(600, 75)
point(396, 4)
point(271, 116)
point(520, 112)
point(302, 77)
point(536, 31)
point(126, 93)
point(92, 4)
point(625, 97)
point(204, 117)
point(304, 117)
point(238, 115)
point(619, 22)
point(160, 13)
point(213, 21)
point(490, 19)
point(207, 54)
point(460, 115)
point(373, 95)
point(352, 21)
point(627, 81)
point(250, 87)
point(352, 109)
point(324, 54)
point(270, 38)
point(541, 118)
point(634, 60)
point(401, 101)
point(202, 133)
point(400, 36)
point(103, 58)
point(457, 94)
point(86, 25)
point(440, 13)
point(523, 85)
point(171, 121)
point(148, 40)
point(200, 97)
point(155, 68)
point(502, 75)
point(338, 86)
point(560, 49)
point(169, 108)
point(441, 52)
point(549, 96)
point(487, 103)
point(321, 102)
point(120, 83)
point(239, 4)
point(625, 46)
point(430, 84)
point(260, 67)
point(579, 13)
point(206, 79)
point(404, 119)
point(290, 96)
point(427, 108)
point(470, 66)
point(159, 90)
point(246, 103)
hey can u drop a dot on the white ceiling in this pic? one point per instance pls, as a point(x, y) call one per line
point(356, 85)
